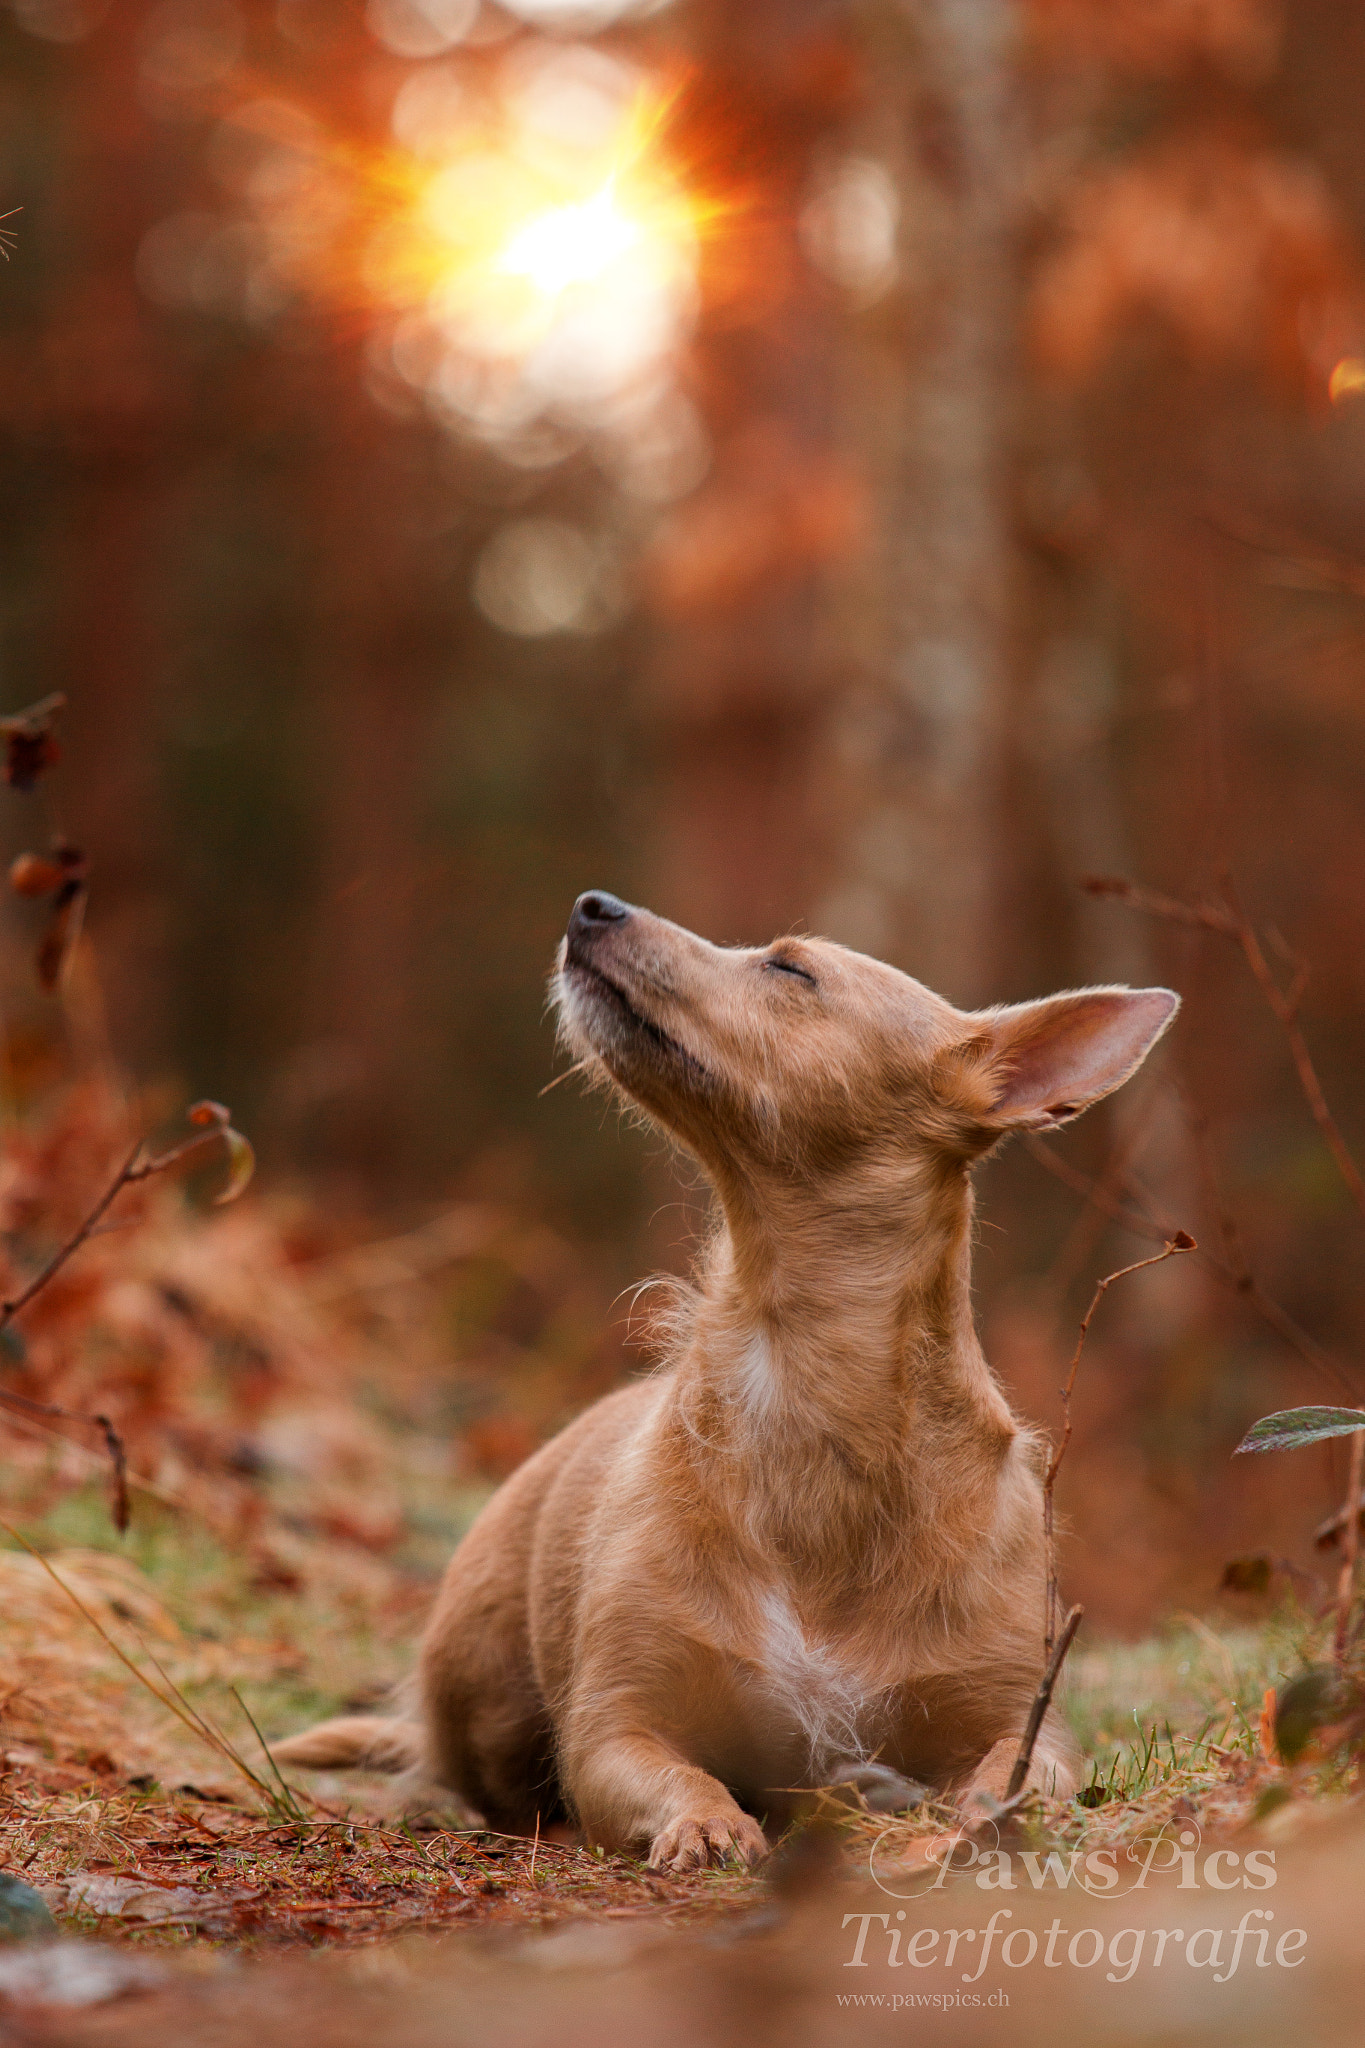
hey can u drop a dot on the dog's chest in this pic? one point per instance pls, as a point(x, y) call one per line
point(812, 1689)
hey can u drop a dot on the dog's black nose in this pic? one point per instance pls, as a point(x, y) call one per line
point(596, 909)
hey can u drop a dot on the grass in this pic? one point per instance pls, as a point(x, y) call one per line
point(1186, 1695)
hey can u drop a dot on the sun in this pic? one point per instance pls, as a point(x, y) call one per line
point(520, 242)
point(527, 252)
point(571, 245)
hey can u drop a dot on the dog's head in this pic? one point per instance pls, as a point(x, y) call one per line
point(801, 1055)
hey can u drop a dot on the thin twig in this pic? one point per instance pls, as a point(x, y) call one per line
point(118, 1459)
point(1295, 1336)
point(113, 1442)
point(1209, 917)
point(1094, 1191)
point(1236, 1270)
point(10, 1309)
point(1231, 920)
point(1314, 566)
point(1042, 1699)
point(134, 1169)
point(27, 1419)
point(1078, 1250)
point(1284, 1007)
point(1350, 1546)
point(1238, 1277)
point(1181, 1242)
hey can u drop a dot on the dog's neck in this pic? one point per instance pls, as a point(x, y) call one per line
point(838, 1326)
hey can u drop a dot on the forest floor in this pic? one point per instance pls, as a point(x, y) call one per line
point(312, 1418)
point(135, 1823)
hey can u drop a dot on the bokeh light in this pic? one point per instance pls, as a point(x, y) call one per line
point(420, 28)
point(539, 576)
point(60, 21)
point(848, 227)
point(189, 47)
point(1347, 379)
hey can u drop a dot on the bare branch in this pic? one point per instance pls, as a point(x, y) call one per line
point(1310, 565)
point(1236, 1273)
point(1231, 920)
point(25, 1415)
point(1181, 1242)
point(113, 1443)
point(133, 1169)
point(1284, 1007)
point(1210, 917)
point(1094, 1191)
point(1042, 1699)
point(10, 1309)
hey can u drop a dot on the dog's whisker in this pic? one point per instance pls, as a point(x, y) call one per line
point(578, 1067)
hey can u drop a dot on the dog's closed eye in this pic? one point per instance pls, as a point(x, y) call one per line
point(780, 965)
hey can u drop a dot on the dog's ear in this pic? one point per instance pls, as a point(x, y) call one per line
point(1034, 1065)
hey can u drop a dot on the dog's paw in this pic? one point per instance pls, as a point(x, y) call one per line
point(988, 1789)
point(697, 1841)
point(989, 1782)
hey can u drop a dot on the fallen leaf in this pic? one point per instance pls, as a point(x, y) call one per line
point(132, 1898)
point(74, 1973)
point(142, 1899)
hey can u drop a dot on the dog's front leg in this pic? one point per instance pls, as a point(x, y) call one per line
point(634, 1787)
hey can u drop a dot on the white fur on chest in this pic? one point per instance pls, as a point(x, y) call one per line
point(825, 1698)
point(756, 1383)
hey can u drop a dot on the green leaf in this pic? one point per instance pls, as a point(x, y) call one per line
point(1294, 1426)
point(241, 1165)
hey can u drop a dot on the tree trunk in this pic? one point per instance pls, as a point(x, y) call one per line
point(924, 734)
point(739, 679)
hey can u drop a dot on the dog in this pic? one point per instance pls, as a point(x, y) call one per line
point(808, 1550)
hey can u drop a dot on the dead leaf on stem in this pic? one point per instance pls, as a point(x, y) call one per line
point(30, 743)
point(59, 939)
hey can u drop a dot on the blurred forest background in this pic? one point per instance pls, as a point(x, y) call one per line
point(857, 466)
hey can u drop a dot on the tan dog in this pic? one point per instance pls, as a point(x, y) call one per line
point(810, 1548)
